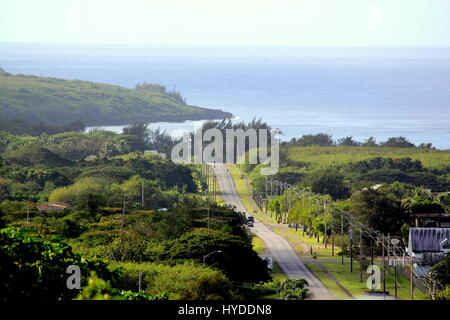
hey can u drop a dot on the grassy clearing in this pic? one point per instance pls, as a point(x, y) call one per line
point(298, 248)
point(242, 187)
point(258, 245)
point(324, 156)
point(330, 284)
point(263, 218)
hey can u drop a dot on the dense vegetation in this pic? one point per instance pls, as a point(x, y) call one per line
point(380, 183)
point(135, 223)
point(140, 229)
point(59, 102)
point(23, 127)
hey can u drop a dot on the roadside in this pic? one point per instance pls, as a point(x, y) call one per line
point(325, 264)
point(279, 248)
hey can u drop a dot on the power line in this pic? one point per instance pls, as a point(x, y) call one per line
point(396, 255)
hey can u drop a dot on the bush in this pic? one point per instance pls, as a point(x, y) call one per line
point(129, 247)
point(183, 281)
point(33, 267)
point(327, 181)
point(425, 206)
point(237, 259)
point(85, 194)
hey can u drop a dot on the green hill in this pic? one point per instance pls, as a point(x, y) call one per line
point(59, 101)
point(34, 155)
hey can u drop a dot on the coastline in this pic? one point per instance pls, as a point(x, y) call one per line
point(209, 114)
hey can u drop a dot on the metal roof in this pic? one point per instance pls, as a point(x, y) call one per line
point(427, 239)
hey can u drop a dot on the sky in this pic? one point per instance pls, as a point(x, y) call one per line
point(228, 22)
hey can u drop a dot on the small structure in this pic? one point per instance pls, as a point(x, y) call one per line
point(428, 246)
point(430, 220)
point(53, 206)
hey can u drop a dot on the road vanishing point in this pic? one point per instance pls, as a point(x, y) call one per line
point(279, 248)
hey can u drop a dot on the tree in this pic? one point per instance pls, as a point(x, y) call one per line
point(139, 130)
point(293, 289)
point(426, 146)
point(153, 196)
point(397, 142)
point(237, 259)
point(370, 142)
point(327, 181)
point(320, 139)
point(99, 289)
point(274, 206)
point(421, 205)
point(348, 141)
point(441, 271)
point(379, 210)
point(215, 287)
point(85, 194)
point(129, 247)
point(33, 267)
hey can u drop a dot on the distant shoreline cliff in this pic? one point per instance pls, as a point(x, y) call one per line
point(59, 101)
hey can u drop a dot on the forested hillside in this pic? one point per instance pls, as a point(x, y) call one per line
point(59, 101)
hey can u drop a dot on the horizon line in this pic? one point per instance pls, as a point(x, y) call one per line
point(216, 45)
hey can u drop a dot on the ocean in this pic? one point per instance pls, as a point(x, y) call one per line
point(359, 92)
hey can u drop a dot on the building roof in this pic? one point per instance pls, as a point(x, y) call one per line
point(427, 239)
point(430, 215)
point(51, 206)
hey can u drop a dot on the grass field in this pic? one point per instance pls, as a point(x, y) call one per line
point(242, 188)
point(351, 281)
point(258, 245)
point(341, 272)
point(330, 284)
point(321, 156)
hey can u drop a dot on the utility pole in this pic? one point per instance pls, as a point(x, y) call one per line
point(388, 253)
point(342, 238)
point(139, 280)
point(350, 237)
point(332, 231)
point(207, 209)
point(394, 243)
point(265, 186)
point(325, 223)
point(28, 211)
point(383, 262)
point(271, 188)
point(395, 278)
point(411, 276)
point(142, 193)
point(310, 218)
point(371, 244)
point(303, 219)
point(122, 220)
point(360, 257)
point(317, 215)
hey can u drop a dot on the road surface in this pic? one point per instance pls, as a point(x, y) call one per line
point(278, 247)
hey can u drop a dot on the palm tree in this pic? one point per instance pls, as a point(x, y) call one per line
point(297, 294)
point(293, 289)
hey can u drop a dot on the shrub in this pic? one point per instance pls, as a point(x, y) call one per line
point(35, 268)
point(183, 281)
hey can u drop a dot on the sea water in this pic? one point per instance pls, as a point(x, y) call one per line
point(359, 92)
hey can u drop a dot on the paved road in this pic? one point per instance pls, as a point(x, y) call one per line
point(278, 247)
